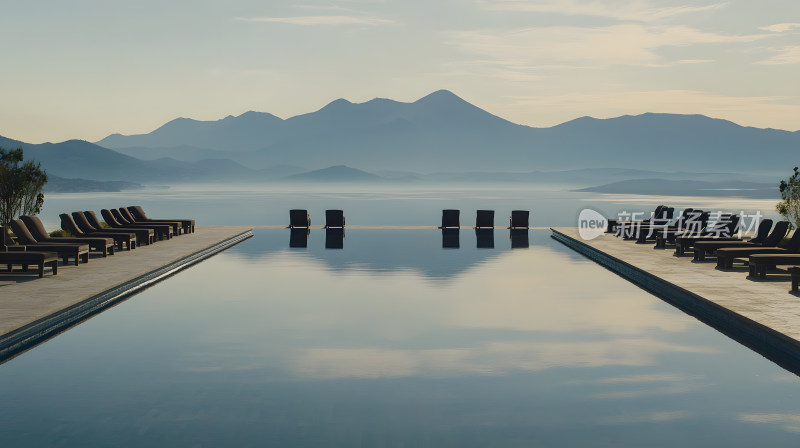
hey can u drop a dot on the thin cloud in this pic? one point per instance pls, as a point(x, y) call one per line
point(318, 20)
point(783, 56)
point(639, 11)
point(781, 27)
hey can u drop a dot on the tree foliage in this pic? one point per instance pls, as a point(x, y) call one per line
point(789, 206)
point(21, 186)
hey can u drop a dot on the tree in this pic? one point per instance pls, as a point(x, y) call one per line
point(789, 206)
point(20, 186)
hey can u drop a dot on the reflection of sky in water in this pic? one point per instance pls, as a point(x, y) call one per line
point(393, 341)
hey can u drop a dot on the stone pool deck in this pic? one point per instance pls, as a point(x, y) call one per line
point(762, 314)
point(34, 309)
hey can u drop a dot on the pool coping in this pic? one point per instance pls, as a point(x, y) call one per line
point(40, 330)
point(768, 342)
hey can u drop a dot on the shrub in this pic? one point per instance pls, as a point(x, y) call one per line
point(789, 206)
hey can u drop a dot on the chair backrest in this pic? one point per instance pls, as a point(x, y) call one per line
point(484, 219)
point(762, 231)
point(683, 217)
point(35, 227)
point(118, 216)
point(107, 216)
point(794, 243)
point(68, 224)
point(138, 213)
point(126, 214)
point(519, 219)
point(83, 221)
point(334, 218)
point(22, 233)
point(450, 218)
point(299, 218)
point(777, 235)
point(3, 247)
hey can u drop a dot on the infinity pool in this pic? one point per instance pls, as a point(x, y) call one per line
point(396, 338)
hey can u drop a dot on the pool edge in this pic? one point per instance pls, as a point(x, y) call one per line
point(21, 339)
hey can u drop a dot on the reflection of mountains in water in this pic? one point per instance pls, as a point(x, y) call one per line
point(433, 253)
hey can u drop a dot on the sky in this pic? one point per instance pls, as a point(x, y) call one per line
point(86, 69)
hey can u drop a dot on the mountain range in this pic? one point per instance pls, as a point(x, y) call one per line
point(439, 137)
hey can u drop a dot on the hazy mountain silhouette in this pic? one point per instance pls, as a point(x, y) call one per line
point(690, 188)
point(338, 173)
point(442, 132)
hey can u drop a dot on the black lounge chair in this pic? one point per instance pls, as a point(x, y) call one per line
point(450, 219)
point(115, 220)
point(105, 246)
point(484, 219)
point(518, 219)
point(334, 219)
point(122, 240)
point(163, 230)
point(760, 263)
point(22, 257)
point(721, 230)
point(176, 226)
point(80, 252)
point(726, 256)
point(87, 221)
point(139, 214)
point(645, 232)
point(695, 225)
point(299, 219)
point(762, 238)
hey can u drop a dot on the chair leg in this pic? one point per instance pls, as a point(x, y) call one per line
point(41, 269)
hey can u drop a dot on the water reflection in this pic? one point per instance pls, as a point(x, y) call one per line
point(484, 238)
point(519, 238)
point(334, 238)
point(450, 238)
point(298, 237)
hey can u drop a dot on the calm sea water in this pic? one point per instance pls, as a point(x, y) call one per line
point(393, 338)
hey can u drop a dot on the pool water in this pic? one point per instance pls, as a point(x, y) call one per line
point(396, 338)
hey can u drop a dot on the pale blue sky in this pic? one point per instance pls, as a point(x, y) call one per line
point(85, 69)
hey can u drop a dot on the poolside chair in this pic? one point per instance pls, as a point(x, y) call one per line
point(22, 257)
point(762, 238)
point(165, 229)
point(450, 219)
point(334, 219)
point(104, 246)
point(87, 221)
point(726, 256)
point(695, 225)
point(450, 238)
point(518, 219)
point(80, 252)
point(614, 223)
point(298, 237)
point(177, 227)
point(722, 230)
point(299, 219)
point(139, 214)
point(334, 238)
point(760, 263)
point(484, 219)
point(122, 240)
point(645, 232)
point(115, 220)
point(484, 238)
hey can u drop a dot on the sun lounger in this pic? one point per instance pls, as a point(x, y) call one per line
point(484, 219)
point(80, 252)
point(696, 225)
point(87, 221)
point(658, 214)
point(165, 230)
point(139, 214)
point(334, 219)
point(645, 232)
point(450, 219)
point(122, 240)
point(176, 226)
point(721, 230)
point(518, 219)
point(760, 263)
point(726, 256)
point(761, 239)
point(299, 219)
point(105, 246)
point(22, 257)
point(115, 220)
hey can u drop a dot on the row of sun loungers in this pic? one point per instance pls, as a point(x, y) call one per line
point(334, 219)
point(130, 227)
point(692, 230)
